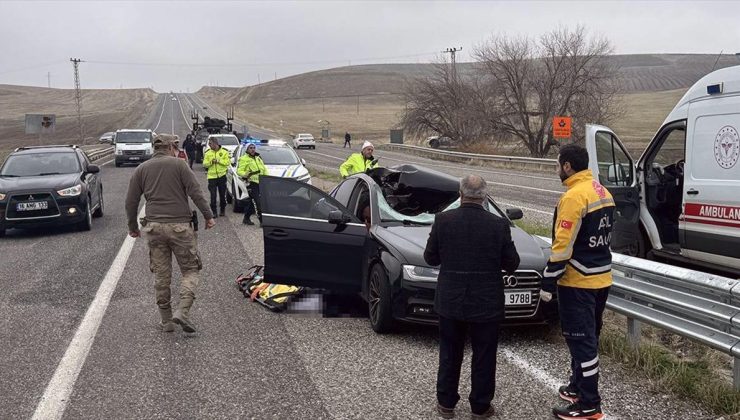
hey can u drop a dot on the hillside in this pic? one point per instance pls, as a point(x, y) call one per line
point(366, 100)
point(103, 110)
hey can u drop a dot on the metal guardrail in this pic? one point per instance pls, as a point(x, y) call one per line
point(515, 162)
point(699, 306)
point(99, 153)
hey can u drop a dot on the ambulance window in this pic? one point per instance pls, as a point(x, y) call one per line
point(672, 148)
point(615, 166)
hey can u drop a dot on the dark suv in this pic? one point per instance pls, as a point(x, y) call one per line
point(49, 186)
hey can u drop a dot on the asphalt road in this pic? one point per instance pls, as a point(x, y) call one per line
point(244, 361)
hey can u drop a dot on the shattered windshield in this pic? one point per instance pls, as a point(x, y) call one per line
point(388, 214)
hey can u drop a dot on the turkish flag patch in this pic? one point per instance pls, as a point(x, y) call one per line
point(565, 224)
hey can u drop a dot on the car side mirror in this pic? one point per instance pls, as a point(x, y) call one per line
point(233, 161)
point(93, 169)
point(514, 214)
point(303, 161)
point(336, 217)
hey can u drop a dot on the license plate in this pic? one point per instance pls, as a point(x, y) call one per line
point(133, 158)
point(34, 205)
point(517, 298)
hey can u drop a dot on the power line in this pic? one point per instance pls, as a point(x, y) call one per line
point(452, 52)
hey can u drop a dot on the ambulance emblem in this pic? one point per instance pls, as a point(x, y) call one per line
point(727, 147)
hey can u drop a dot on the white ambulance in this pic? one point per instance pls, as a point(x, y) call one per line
point(681, 199)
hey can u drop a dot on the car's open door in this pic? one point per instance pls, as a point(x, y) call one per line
point(310, 239)
point(614, 168)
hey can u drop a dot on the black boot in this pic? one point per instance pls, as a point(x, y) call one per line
point(247, 220)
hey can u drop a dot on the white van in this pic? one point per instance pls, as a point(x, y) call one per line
point(681, 199)
point(133, 146)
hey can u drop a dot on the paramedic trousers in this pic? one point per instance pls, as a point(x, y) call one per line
point(217, 185)
point(164, 240)
point(581, 312)
point(253, 206)
point(484, 341)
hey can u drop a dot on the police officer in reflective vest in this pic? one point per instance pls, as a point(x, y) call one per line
point(250, 168)
point(580, 265)
point(359, 162)
point(166, 183)
point(217, 161)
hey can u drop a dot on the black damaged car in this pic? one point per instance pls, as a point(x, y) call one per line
point(368, 236)
point(49, 186)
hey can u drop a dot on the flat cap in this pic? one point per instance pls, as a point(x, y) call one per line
point(164, 140)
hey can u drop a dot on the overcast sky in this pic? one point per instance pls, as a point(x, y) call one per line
point(241, 41)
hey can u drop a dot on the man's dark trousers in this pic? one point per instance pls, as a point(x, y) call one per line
point(217, 185)
point(484, 340)
point(581, 313)
point(253, 189)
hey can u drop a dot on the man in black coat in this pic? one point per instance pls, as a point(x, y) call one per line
point(472, 245)
point(189, 146)
point(347, 139)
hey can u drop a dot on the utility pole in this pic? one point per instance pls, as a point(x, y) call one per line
point(78, 96)
point(258, 79)
point(48, 78)
point(452, 52)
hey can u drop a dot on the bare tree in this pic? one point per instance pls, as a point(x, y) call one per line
point(564, 73)
point(445, 103)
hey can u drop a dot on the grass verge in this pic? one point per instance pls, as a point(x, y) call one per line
point(690, 379)
point(534, 228)
point(328, 176)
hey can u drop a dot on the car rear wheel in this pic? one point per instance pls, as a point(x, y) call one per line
point(434, 144)
point(99, 210)
point(118, 164)
point(379, 301)
point(86, 224)
point(2, 233)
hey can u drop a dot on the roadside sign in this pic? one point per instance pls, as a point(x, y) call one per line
point(561, 127)
point(40, 123)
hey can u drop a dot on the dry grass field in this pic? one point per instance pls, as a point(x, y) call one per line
point(103, 110)
point(367, 101)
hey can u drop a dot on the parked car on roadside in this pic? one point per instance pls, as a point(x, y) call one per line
point(368, 236)
point(435, 142)
point(304, 140)
point(280, 160)
point(107, 137)
point(49, 186)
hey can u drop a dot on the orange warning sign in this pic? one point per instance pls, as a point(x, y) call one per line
point(561, 127)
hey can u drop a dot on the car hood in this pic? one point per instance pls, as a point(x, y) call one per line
point(286, 171)
point(34, 183)
point(409, 243)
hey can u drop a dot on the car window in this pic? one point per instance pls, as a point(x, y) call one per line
point(615, 165)
point(36, 164)
point(360, 199)
point(297, 199)
point(227, 140)
point(133, 137)
point(278, 155)
point(344, 190)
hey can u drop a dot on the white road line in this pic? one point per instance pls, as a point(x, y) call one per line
point(172, 114)
point(182, 111)
point(57, 393)
point(164, 102)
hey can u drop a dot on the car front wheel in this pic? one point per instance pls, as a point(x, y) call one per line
point(379, 301)
point(86, 224)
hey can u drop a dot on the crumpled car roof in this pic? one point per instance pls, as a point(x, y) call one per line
point(412, 190)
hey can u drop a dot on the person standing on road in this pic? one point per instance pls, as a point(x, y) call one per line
point(217, 161)
point(166, 183)
point(189, 146)
point(347, 139)
point(359, 162)
point(580, 265)
point(251, 167)
point(472, 246)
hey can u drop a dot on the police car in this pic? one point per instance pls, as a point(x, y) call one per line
point(280, 160)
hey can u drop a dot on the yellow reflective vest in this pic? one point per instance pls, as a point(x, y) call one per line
point(581, 233)
point(251, 167)
point(355, 163)
point(217, 162)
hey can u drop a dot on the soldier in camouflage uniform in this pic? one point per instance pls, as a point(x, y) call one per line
point(166, 183)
